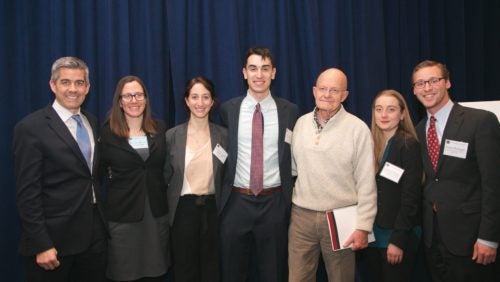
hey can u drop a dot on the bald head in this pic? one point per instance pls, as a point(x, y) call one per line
point(330, 91)
point(334, 76)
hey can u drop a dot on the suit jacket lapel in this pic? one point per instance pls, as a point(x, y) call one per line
point(215, 139)
point(392, 156)
point(61, 130)
point(425, 150)
point(122, 143)
point(283, 119)
point(450, 130)
point(152, 143)
point(180, 147)
point(234, 114)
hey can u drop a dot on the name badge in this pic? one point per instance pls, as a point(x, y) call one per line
point(138, 142)
point(220, 153)
point(288, 136)
point(456, 149)
point(392, 172)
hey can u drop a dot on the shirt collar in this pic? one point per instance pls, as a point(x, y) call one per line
point(315, 115)
point(62, 112)
point(265, 104)
point(442, 114)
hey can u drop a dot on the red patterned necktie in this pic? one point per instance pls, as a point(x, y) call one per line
point(257, 160)
point(433, 143)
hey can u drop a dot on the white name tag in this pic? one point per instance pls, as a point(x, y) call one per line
point(138, 142)
point(220, 153)
point(392, 172)
point(456, 149)
point(288, 136)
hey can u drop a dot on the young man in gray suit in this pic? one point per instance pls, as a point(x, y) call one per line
point(256, 195)
point(461, 158)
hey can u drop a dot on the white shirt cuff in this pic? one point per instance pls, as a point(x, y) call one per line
point(488, 243)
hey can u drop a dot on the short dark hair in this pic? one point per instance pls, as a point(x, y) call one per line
point(265, 53)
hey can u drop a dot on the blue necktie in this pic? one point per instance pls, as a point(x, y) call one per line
point(83, 139)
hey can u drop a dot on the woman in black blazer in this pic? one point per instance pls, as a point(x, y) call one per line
point(196, 153)
point(132, 148)
point(399, 178)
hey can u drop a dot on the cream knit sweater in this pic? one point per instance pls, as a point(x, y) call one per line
point(335, 168)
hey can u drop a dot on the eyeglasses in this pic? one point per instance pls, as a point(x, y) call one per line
point(432, 82)
point(127, 97)
point(332, 91)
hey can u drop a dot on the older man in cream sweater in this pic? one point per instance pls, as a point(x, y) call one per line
point(333, 161)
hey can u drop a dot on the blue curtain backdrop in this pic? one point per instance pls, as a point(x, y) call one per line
point(376, 43)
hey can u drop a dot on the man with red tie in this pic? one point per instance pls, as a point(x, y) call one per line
point(461, 158)
point(256, 196)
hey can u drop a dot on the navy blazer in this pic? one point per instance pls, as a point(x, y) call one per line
point(54, 185)
point(130, 177)
point(398, 204)
point(176, 139)
point(465, 191)
point(287, 116)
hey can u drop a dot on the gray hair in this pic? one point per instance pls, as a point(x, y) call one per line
point(70, 63)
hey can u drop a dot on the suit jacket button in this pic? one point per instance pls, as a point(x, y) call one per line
point(436, 179)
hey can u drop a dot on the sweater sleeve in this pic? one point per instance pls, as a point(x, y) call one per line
point(364, 177)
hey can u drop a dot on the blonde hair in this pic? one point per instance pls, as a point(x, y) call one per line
point(405, 128)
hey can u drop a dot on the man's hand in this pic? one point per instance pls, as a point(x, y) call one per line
point(394, 254)
point(484, 254)
point(48, 259)
point(359, 240)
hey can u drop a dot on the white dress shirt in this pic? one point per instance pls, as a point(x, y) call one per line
point(271, 131)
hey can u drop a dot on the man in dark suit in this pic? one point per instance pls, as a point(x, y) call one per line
point(63, 236)
point(461, 158)
point(257, 192)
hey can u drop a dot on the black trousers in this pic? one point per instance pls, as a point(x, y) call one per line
point(195, 248)
point(447, 267)
point(381, 271)
point(254, 236)
point(89, 265)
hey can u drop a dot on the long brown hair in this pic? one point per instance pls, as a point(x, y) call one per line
point(117, 120)
point(405, 127)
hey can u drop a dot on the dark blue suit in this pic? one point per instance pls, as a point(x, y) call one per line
point(54, 193)
point(254, 230)
point(465, 192)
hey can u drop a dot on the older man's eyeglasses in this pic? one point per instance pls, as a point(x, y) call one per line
point(419, 84)
point(332, 91)
point(127, 97)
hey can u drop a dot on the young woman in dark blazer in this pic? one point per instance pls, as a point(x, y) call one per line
point(132, 148)
point(399, 178)
point(196, 153)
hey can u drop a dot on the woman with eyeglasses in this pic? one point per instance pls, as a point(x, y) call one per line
point(132, 148)
point(196, 153)
point(399, 177)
